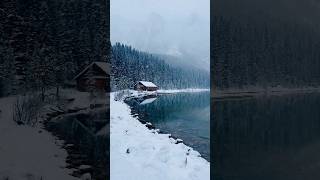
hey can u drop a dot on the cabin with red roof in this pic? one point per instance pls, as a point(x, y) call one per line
point(145, 86)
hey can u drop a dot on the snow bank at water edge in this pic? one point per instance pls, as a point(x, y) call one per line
point(28, 152)
point(138, 94)
point(137, 153)
point(170, 91)
point(127, 94)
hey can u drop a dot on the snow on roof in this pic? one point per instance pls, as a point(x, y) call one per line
point(102, 65)
point(148, 84)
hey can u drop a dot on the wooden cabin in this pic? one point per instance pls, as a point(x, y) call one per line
point(95, 76)
point(145, 86)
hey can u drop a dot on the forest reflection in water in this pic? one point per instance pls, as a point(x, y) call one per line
point(276, 137)
point(184, 115)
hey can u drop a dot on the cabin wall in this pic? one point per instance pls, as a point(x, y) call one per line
point(140, 87)
point(83, 84)
point(152, 88)
point(101, 79)
point(101, 84)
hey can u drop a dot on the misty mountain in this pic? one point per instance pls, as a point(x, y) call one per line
point(159, 27)
point(186, 62)
point(130, 65)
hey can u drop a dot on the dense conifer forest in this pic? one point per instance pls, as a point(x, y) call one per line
point(45, 43)
point(265, 44)
point(130, 65)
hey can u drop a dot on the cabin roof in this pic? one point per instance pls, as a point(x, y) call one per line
point(147, 84)
point(105, 67)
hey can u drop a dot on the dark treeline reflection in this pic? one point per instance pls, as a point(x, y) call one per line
point(266, 138)
point(184, 115)
point(88, 144)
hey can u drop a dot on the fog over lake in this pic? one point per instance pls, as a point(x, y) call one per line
point(174, 27)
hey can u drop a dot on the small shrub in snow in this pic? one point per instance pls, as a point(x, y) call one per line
point(120, 95)
point(26, 110)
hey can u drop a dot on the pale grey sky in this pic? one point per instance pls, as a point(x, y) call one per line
point(174, 27)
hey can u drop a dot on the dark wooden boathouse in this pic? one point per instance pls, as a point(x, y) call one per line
point(95, 76)
point(145, 86)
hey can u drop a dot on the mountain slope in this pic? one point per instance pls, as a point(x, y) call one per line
point(130, 66)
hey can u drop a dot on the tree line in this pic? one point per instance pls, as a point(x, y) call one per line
point(130, 65)
point(264, 53)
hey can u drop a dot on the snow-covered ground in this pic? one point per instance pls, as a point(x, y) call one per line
point(138, 153)
point(28, 152)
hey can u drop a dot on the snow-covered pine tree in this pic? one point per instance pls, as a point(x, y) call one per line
point(130, 66)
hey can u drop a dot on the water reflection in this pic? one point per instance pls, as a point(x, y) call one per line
point(144, 100)
point(184, 115)
point(274, 138)
point(88, 133)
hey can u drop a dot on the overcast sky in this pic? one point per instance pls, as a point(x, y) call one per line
point(174, 27)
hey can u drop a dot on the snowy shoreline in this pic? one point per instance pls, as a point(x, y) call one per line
point(38, 152)
point(29, 152)
point(145, 154)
